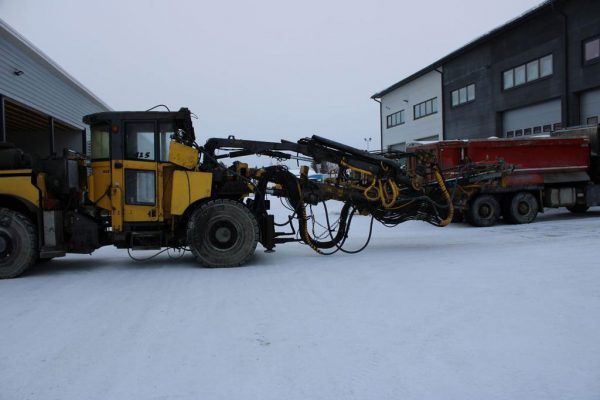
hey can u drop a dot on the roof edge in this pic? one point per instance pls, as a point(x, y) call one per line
point(5, 26)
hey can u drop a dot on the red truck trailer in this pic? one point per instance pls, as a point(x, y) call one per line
point(523, 175)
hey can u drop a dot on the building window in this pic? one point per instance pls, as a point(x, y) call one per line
point(509, 79)
point(591, 50)
point(463, 95)
point(395, 119)
point(425, 108)
point(546, 66)
point(520, 75)
point(536, 130)
point(533, 70)
point(529, 72)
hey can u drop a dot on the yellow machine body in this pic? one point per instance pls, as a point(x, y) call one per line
point(17, 183)
point(185, 188)
point(100, 184)
point(183, 156)
point(176, 190)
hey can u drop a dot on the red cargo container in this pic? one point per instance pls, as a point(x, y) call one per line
point(535, 172)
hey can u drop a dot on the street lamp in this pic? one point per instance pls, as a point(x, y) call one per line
point(367, 141)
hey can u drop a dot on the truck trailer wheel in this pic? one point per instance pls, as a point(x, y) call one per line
point(222, 233)
point(483, 211)
point(523, 208)
point(18, 243)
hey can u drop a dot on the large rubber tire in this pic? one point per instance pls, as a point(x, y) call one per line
point(222, 233)
point(18, 243)
point(523, 208)
point(578, 208)
point(483, 211)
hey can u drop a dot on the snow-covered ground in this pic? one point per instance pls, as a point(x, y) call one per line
point(509, 312)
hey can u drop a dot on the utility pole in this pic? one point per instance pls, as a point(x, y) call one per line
point(368, 142)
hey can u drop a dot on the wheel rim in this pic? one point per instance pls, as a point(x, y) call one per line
point(485, 211)
point(523, 208)
point(6, 245)
point(223, 235)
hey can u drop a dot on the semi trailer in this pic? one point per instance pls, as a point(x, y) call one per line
point(524, 175)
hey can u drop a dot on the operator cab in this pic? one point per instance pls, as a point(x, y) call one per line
point(129, 151)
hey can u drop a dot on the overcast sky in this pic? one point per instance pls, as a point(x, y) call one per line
point(265, 69)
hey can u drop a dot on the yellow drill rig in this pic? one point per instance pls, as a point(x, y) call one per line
point(148, 185)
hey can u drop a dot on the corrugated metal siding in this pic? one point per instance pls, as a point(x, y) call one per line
point(41, 86)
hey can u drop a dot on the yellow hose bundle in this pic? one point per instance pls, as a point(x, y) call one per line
point(447, 197)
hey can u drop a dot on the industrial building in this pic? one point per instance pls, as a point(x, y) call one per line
point(41, 105)
point(537, 73)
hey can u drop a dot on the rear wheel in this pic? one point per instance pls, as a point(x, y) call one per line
point(222, 233)
point(483, 211)
point(523, 208)
point(18, 243)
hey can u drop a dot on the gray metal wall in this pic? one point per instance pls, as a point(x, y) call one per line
point(41, 86)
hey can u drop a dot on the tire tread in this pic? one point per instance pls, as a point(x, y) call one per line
point(32, 239)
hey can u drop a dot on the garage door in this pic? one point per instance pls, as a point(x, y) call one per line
point(590, 107)
point(532, 120)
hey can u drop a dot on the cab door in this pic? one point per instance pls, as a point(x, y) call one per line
point(140, 172)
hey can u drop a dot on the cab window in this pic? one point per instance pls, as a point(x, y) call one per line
point(165, 131)
point(139, 141)
point(140, 187)
point(100, 142)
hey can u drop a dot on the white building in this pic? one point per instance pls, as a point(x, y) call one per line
point(411, 111)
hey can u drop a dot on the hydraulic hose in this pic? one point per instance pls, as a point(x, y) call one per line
point(446, 195)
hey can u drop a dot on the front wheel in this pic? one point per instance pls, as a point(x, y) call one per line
point(222, 233)
point(18, 243)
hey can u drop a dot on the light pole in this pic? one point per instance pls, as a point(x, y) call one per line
point(368, 142)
